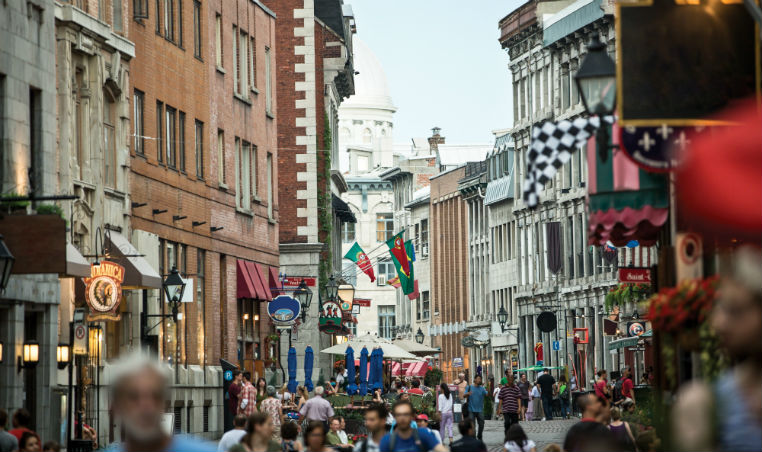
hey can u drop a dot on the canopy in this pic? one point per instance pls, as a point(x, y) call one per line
point(414, 347)
point(628, 341)
point(536, 368)
point(292, 370)
point(410, 369)
point(308, 358)
point(370, 341)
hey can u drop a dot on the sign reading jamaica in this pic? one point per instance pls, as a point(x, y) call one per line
point(103, 291)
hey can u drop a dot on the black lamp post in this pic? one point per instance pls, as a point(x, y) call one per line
point(596, 83)
point(174, 286)
point(419, 336)
point(502, 317)
point(6, 264)
point(331, 290)
point(303, 295)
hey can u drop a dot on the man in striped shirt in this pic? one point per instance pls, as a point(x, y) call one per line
point(509, 396)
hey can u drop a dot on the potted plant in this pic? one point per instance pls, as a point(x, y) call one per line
point(13, 207)
point(624, 293)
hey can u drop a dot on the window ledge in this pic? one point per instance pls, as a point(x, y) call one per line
point(255, 90)
point(243, 99)
point(246, 212)
point(222, 186)
point(221, 70)
point(269, 114)
point(257, 199)
point(272, 221)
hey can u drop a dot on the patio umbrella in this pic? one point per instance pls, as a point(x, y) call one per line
point(308, 357)
point(350, 362)
point(373, 370)
point(378, 381)
point(292, 370)
point(371, 341)
point(415, 348)
point(364, 371)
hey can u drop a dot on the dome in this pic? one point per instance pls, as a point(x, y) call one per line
point(371, 88)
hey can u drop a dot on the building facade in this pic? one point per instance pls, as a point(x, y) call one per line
point(314, 42)
point(420, 222)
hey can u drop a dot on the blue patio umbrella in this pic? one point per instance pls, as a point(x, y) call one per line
point(364, 371)
point(292, 370)
point(372, 370)
point(308, 358)
point(380, 369)
point(350, 362)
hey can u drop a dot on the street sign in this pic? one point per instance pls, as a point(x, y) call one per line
point(80, 339)
point(556, 346)
point(364, 302)
point(294, 281)
point(228, 375)
point(635, 275)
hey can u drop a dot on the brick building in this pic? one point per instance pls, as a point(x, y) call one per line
point(315, 73)
point(449, 270)
point(203, 177)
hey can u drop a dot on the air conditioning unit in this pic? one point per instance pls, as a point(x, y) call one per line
point(425, 250)
point(381, 280)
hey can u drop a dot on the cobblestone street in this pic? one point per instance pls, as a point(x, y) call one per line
point(541, 432)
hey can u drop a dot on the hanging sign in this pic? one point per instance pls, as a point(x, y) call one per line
point(364, 302)
point(635, 275)
point(283, 310)
point(294, 281)
point(635, 329)
point(330, 320)
point(457, 362)
point(103, 290)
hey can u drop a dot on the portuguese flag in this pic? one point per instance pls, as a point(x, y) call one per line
point(403, 255)
point(358, 256)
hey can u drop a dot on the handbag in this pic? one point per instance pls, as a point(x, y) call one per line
point(457, 408)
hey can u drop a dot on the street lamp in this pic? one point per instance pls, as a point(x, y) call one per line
point(419, 336)
point(174, 286)
point(331, 290)
point(303, 295)
point(596, 83)
point(502, 317)
point(6, 264)
point(63, 355)
point(346, 292)
point(30, 356)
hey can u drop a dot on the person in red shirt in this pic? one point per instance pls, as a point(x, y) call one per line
point(22, 421)
point(416, 389)
point(601, 386)
point(627, 384)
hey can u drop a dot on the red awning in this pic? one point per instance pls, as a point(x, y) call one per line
point(244, 284)
point(417, 369)
point(258, 286)
point(265, 282)
point(274, 281)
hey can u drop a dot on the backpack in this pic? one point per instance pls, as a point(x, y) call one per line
point(393, 441)
point(565, 393)
point(618, 390)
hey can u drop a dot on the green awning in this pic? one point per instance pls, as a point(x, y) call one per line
point(628, 341)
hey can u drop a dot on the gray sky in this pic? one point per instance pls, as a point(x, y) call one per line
point(444, 64)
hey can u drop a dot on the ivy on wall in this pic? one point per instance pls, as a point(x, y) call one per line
point(325, 210)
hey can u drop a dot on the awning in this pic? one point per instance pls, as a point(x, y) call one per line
point(275, 284)
point(244, 284)
point(76, 265)
point(138, 272)
point(628, 341)
point(259, 287)
point(499, 190)
point(265, 282)
point(342, 210)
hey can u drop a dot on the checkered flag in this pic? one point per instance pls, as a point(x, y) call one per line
point(552, 146)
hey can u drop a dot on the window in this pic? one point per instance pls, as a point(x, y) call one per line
point(425, 304)
point(243, 63)
point(252, 63)
point(171, 135)
point(348, 232)
point(218, 39)
point(268, 83)
point(243, 151)
point(254, 177)
point(116, 15)
point(137, 120)
point(424, 237)
point(201, 303)
point(177, 428)
point(221, 157)
point(384, 227)
point(158, 16)
point(79, 144)
point(386, 321)
point(386, 268)
point(180, 23)
point(270, 184)
point(199, 149)
point(367, 136)
point(565, 94)
point(206, 418)
point(181, 140)
point(349, 273)
point(109, 135)
point(236, 74)
point(159, 131)
point(139, 9)
point(169, 19)
point(197, 29)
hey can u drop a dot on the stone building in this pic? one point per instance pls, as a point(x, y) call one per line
point(366, 126)
point(29, 303)
point(546, 42)
point(315, 74)
point(420, 222)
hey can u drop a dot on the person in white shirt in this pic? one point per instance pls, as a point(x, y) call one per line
point(342, 433)
point(233, 437)
point(444, 405)
point(537, 403)
point(516, 440)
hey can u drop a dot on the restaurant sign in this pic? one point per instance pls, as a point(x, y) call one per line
point(635, 275)
point(103, 290)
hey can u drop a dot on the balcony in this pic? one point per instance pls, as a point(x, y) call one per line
point(517, 21)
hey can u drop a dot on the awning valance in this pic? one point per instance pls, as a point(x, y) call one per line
point(76, 264)
point(275, 284)
point(342, 210)
point(256, 280)
point(138, 272)
point(244, 284)
point(267, 295)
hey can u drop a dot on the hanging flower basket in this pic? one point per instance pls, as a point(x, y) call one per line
point(687, 306)
point(626, 292)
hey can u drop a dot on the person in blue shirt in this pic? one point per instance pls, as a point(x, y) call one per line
point(476, 394)
point(139, 391)
point(405, 438)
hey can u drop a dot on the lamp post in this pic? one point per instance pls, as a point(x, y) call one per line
point(303, 295)
point(6, 264)
point(502, 317)
point(596, 83)
point(174, 286)
point(419, 336)
point(331, 291)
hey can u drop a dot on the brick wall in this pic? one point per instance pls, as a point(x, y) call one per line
point(163, 71)
point(449, 265)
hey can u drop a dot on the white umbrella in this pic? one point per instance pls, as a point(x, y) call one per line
point(414, 347)
point(370, 341)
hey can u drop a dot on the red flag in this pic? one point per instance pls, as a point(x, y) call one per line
point(397, 248)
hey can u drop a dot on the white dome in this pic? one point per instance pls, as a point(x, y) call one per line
point(371, 88)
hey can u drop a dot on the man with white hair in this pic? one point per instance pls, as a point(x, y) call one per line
point(138, 396)
point(316, 408)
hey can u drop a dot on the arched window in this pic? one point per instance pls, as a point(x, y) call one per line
point(367, 136)
point(109, 138)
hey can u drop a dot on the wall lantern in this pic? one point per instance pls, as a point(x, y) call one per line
point(502, 317)
point(30, 356)
point(331, 290)
point(303, 295)
point(63, 355)
point(419, 336)
point(174, 286)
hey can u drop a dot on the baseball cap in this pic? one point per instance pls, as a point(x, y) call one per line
point(422, 417)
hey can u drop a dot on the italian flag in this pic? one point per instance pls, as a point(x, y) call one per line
point(358, 256)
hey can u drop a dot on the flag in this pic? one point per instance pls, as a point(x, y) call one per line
point(406, 279)
point(398, 250)
point(358, 256)
point(394, 282)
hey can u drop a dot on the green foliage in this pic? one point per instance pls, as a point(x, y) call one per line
point(488, 407)
point(50, 209)
point(325, 206)
point(624, 293)
point(12, 205)
point(433, 377)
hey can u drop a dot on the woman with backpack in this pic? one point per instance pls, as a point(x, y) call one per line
point(564, 393)
point(444, 406)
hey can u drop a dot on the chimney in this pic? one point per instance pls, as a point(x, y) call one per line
point(436, 139)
